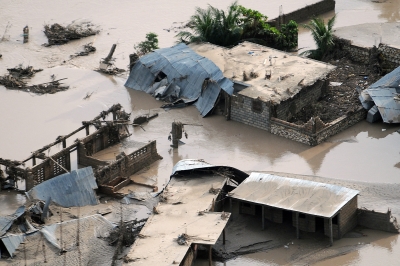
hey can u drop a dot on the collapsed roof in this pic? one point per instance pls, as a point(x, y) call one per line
point(70, 189)
point(385, 93)
point(179, 75)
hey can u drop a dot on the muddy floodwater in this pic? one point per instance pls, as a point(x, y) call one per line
point(363, 153)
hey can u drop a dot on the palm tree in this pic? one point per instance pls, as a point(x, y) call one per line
point(322, 35)
point(214, 26)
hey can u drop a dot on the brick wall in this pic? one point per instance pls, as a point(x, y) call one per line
point(242, 111)
point(305, 13)
point(378, 220)
point(347, 218)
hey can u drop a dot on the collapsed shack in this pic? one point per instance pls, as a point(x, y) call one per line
point(111, 174)
point(15, 80)
point(57, 34)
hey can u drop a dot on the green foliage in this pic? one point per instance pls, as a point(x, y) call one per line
point(322, 35)
point(228, 28)
point(147, 46)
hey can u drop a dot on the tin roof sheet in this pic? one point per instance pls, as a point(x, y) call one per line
point(184, 68)
point(11, 242)
point(7, 221)
point(298, 195)
point(386, 95)
point(70, 189)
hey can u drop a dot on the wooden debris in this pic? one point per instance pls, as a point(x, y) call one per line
point(87, 49)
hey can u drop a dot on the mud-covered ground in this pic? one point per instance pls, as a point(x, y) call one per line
point(342, 95)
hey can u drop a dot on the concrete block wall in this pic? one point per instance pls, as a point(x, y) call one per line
point(247, 208)
point(274, 214)
point(308, 95)
point(390, 54)
point(306, 12)
point(347, 219)
point(306, 224)
point(49, 169)
point(242, 111)
point(303, 133)
point(377, 220)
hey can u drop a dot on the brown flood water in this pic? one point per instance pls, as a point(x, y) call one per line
point(364, 152)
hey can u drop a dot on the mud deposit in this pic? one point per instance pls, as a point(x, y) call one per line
point(363, 153)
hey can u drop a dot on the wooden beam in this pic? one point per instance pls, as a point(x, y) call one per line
point(223, 236)
point(230, 208)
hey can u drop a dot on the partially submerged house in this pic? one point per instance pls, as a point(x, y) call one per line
point(309, 206)
point(180, 76)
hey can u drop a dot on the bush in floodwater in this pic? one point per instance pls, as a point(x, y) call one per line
point(147, 46)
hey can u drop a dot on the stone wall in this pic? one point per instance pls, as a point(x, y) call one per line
point(378, 220)
point(286, 109)
point(305, 13)
point(389, 55)
point(242, 110)
point(315, 131)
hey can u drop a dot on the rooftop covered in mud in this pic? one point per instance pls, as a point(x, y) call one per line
point(319, 199)
point(264, 72)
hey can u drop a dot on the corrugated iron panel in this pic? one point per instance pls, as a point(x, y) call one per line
point(68, 190)
point(185, 68)
point(12, 242)
point(210, 94)
point(292, 194)
point(383, 93)
point(7, 221)
point(189, 164)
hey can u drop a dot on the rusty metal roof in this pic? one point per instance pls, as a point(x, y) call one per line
point(386, 95)
point(292, 194)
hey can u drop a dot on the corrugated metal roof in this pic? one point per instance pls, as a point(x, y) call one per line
point(384, 93)
point(68, 190)
point(189, 164)
point(11, 242)
point(7, 221)
point(298, 195)
point(184, 68)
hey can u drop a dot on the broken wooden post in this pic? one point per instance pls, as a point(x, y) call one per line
point(230, 208)
point(26, 34)
point(87, 130)
point(110, 54)
point(33, 160)
point(223, 236)
point(176, 133)
point(64, 143)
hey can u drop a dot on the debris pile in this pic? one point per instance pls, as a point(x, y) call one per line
point(87, 49)
point(342, 95)
point(57, 34)
point(15, 80)
point(107, 64)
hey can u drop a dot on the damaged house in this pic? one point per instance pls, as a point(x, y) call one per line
point(249, 83)
point(179, 76)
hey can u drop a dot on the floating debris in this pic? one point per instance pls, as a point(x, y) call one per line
point(57, 34)
point(87, 49)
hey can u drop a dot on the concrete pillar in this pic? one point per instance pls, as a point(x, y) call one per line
point(297, 225)
point(331, 230)
point(263, 217)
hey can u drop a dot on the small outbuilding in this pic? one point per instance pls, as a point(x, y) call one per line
point(309, 206)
